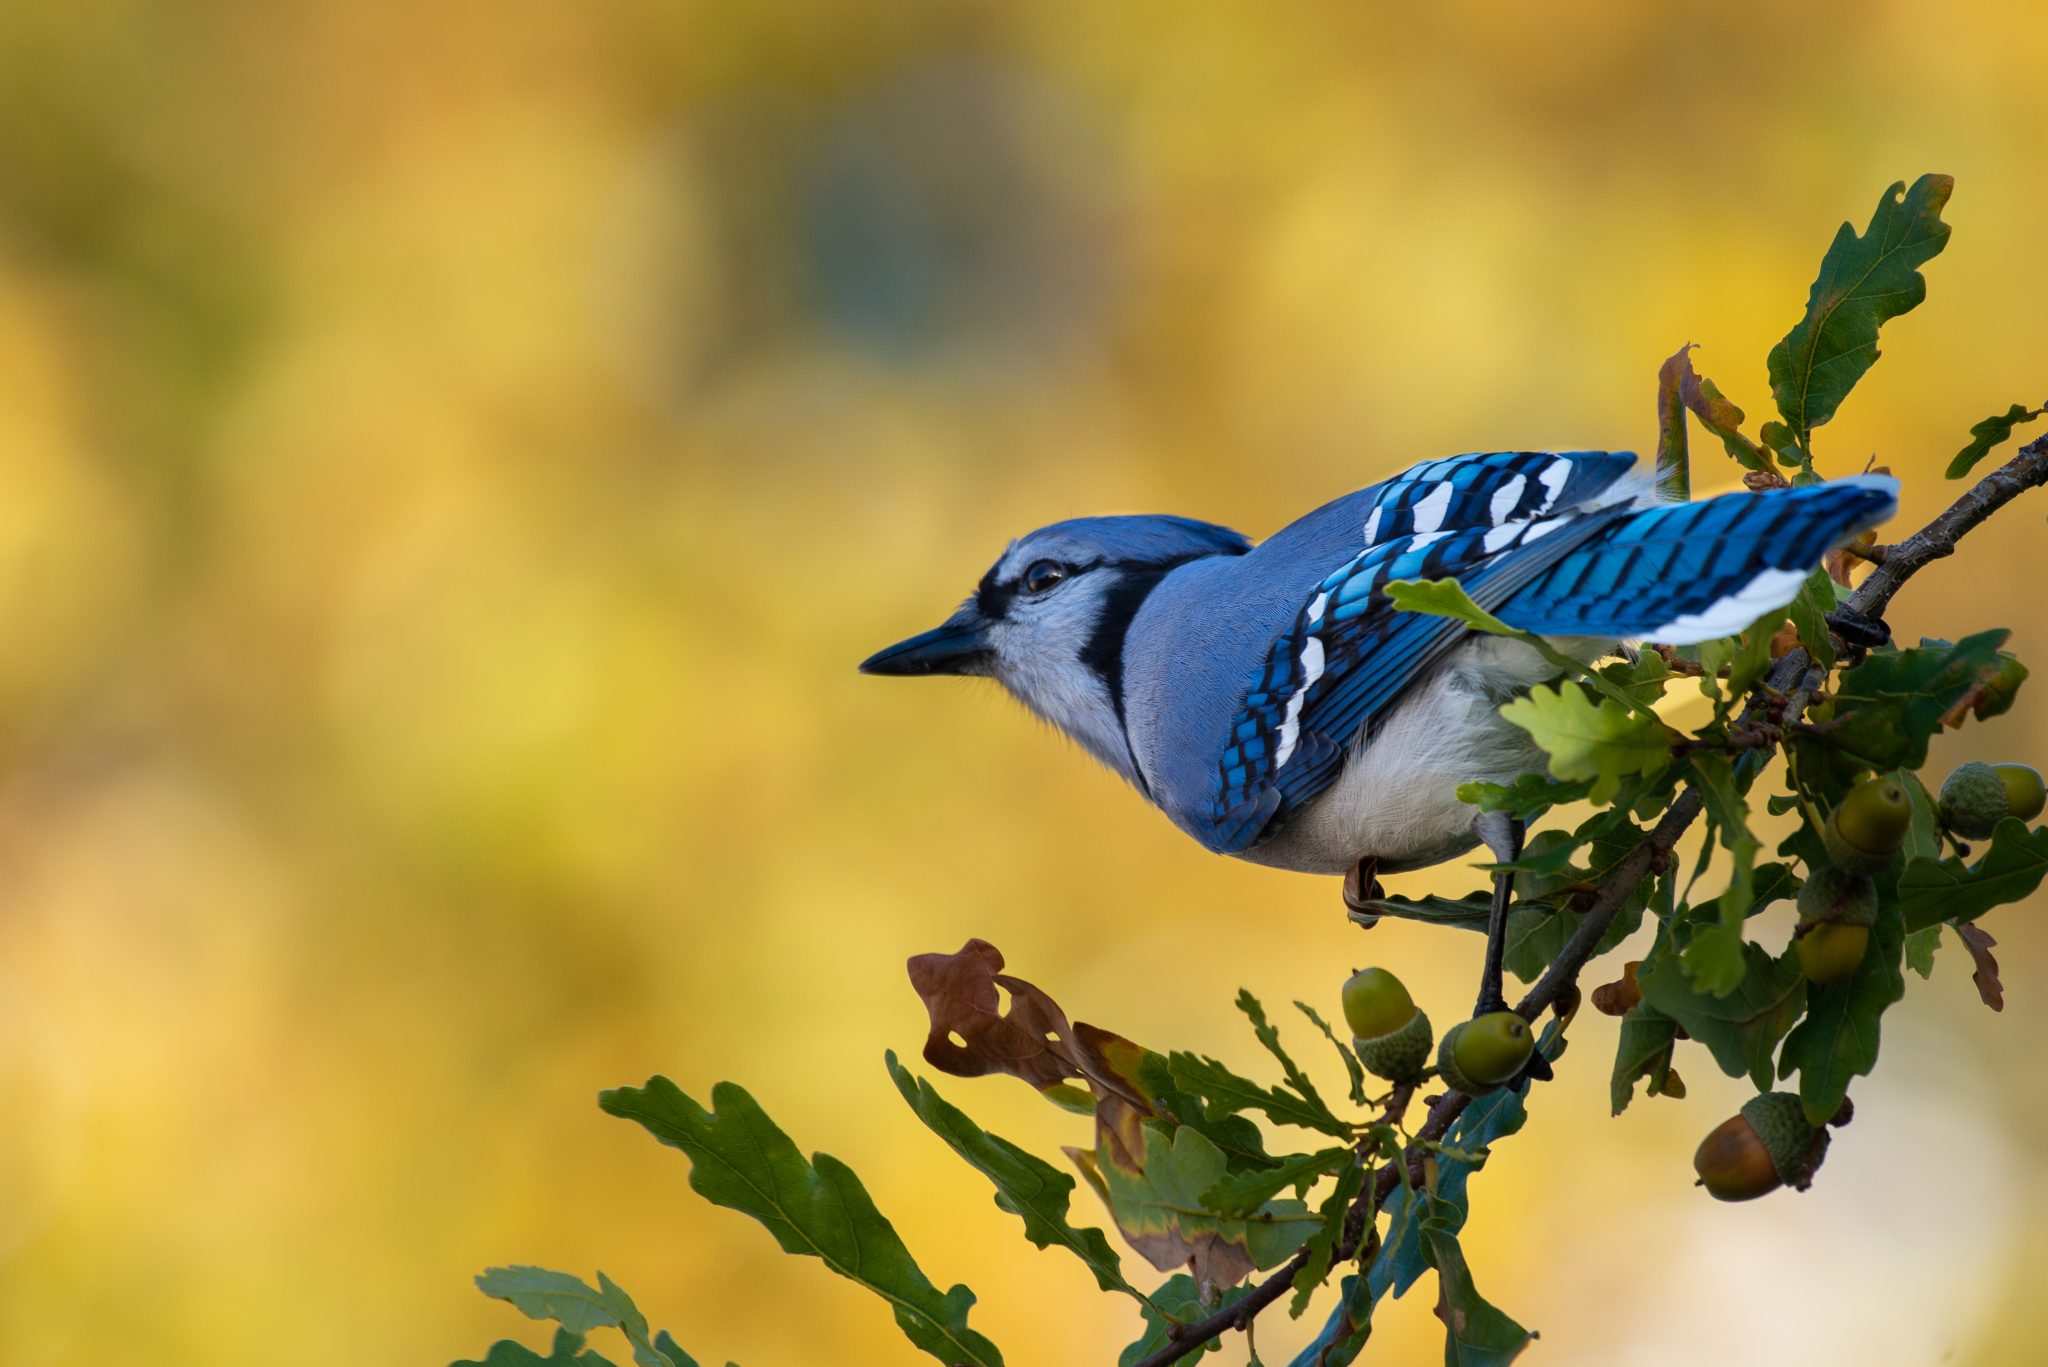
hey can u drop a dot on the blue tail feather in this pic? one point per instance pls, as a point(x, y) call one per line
point(1687, 572)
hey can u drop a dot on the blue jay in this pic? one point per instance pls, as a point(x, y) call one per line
point(1272, 703)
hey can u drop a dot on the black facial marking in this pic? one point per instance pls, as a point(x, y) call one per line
point(991, 598)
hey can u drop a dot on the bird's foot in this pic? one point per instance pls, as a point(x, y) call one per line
point(1361, 889)
point(1857, 631)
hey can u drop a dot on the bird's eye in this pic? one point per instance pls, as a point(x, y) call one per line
point(1042, 575)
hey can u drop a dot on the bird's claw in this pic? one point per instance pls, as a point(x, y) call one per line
point(1362, 889)
point(1858, 631)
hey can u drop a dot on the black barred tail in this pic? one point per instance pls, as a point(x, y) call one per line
point(1688, 572)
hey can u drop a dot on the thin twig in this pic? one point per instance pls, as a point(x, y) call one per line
point(1791, 679)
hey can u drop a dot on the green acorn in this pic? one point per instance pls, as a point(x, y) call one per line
point(1836, 911)
point(2023, 789)
point(1479, 1055)
point(1768, 1144)
point(1831, 951)
point(1832, 895)
point(1974, 800)
point(1390, 1033)
point(1865, 830)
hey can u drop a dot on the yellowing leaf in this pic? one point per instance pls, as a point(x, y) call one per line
point(1601, 742)
point(1160, 1210)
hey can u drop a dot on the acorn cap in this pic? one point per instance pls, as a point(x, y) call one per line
point(1834, 895)
point(1973, 800)
point(1795, 1147)
point(1400, 1054)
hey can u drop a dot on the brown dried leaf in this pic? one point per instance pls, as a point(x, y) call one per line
point(1673, 458)
point(1621, 996)
point(972, 1034)
point(1979, 943)
point(1715, 412)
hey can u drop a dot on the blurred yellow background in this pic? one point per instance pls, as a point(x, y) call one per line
point(455, 455)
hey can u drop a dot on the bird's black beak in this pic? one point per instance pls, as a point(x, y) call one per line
point(958, 645)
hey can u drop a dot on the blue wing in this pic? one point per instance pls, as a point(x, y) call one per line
point(1350, 655)
point(1690, 572)
point(1463, 492)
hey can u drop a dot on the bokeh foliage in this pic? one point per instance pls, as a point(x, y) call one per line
point(457, 453)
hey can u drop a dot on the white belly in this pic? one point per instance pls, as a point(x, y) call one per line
point(1396, 798)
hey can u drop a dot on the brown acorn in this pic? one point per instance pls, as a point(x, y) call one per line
point(1766, 1145)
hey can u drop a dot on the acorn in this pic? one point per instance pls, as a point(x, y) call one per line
point(1480, 1055)
point(1865, 830)
point(1974, 800)
point(1390, 1033)
point(2023, 789)
point(1768, 1144)
point(1831, 951)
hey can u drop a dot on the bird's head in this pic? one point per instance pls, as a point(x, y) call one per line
point(1048, 619)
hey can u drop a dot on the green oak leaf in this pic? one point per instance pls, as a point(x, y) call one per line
point(1528, 797)
point(1887, 706)
point(568, 1351)
point(1344, 1334)
point(1781, 441)
point(1809, 612)
point(1476, 1333)
point(1224, 1093)
point(1935, 890)
point(1464, 913)
point(1643, 1050)
point(1352, 1068)
point(579, 1307)
point(1602, 742)
point(1741, 1029)
point(1864, 282)
point(1838, 1040)
point(1026, 1185)
point(1643, 679)
point(1321, 1246)
point(1269, 1036)
point(1539, 925)
point(1240, 1193)
point(1714, 958)
point(1178, 1301)
point(1920, 947)
point(739, 1159)
point(1236, 1135)
point(1160, 1210)
point(1991, 432)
